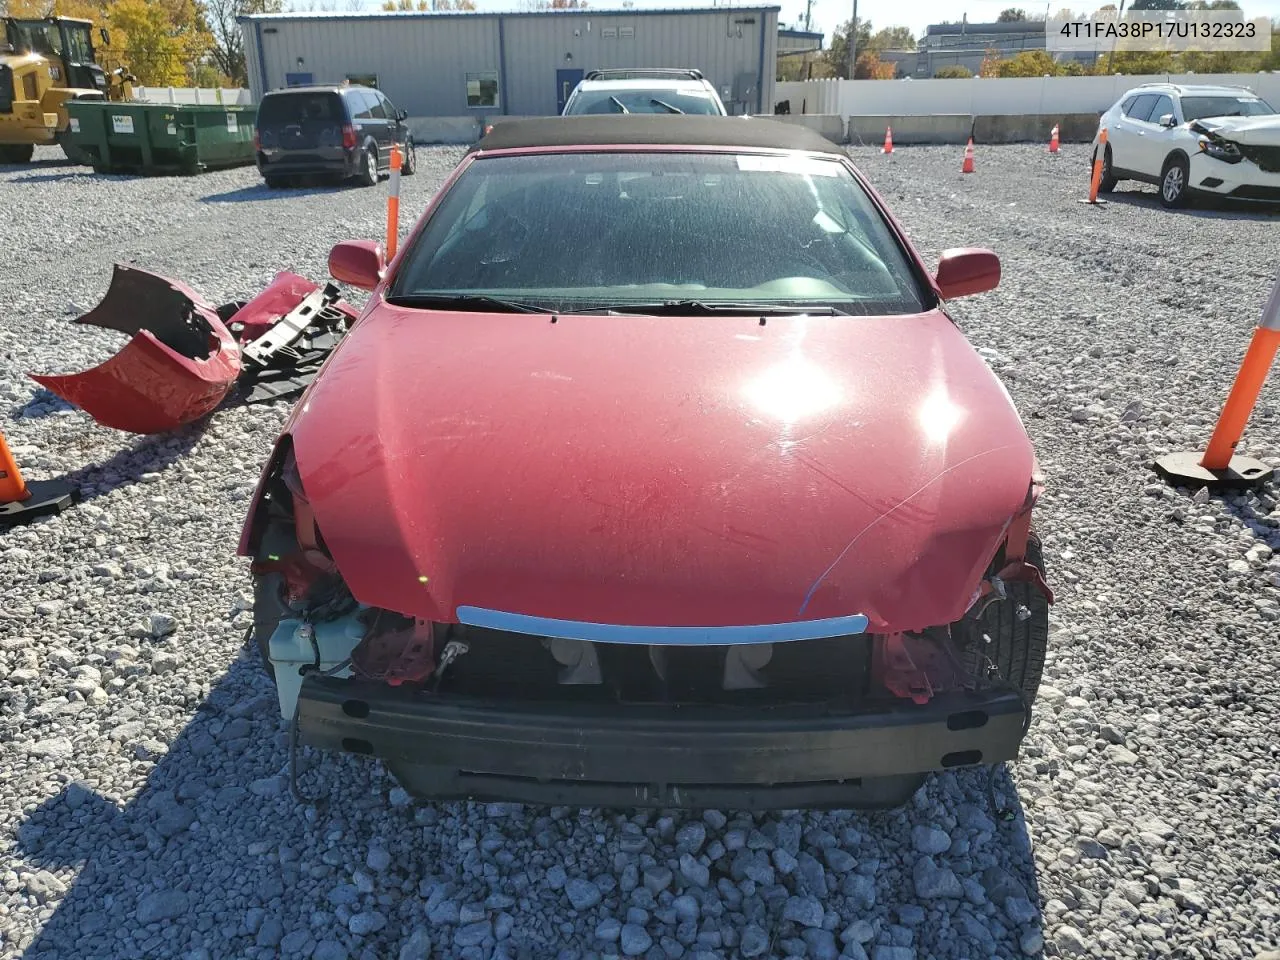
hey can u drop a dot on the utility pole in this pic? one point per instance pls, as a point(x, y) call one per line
point(808, 16)
point(853, 40)
point(1111, 62)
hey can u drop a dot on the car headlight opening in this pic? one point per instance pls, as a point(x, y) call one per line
point(1223, 150)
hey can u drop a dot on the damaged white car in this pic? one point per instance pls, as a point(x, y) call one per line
point(1190, 140)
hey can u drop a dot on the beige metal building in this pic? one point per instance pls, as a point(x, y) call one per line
point(478, 65)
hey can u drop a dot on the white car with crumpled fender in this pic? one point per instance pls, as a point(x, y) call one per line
point(1193, 140)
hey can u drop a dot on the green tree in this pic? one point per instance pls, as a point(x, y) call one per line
point(954, 72)
point(1011, 15)
point(837, 55)
point(891, 38)
point(227, 49)
point(1136, 61)
point(1028, 63)
point(1271, 61)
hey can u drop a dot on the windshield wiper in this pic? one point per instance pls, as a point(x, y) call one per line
point(465, 301)
point(666, 106)
point(622, 107)
point(662, 308)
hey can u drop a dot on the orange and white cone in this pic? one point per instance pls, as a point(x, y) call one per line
point(1053, 139)
point(888, 140)
point(968, 157)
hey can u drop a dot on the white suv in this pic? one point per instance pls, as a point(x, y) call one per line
point(1189, 140)
point(644, 91)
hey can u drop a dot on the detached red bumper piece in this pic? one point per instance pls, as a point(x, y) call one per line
point(177, 367)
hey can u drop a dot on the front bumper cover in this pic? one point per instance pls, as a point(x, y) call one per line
point(453, 747)
point(1244, 180)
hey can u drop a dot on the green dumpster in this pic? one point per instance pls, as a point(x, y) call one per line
point(158, 138)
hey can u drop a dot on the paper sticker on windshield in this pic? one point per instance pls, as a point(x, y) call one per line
point(796, 165)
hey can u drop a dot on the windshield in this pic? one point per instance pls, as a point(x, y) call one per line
point(300, 107)
point(1196, 108)
point(39, 36)
point(600, 230)
point(641, 101)
point(79, 48)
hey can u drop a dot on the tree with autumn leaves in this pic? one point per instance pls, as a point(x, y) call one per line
point(164, 42)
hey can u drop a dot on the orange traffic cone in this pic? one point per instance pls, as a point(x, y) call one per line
point(1053, 139)
point(888, 140)
point(1221, 466)
point(1095, 182)
point(968, 158)
point(22, 502)
point(12, 487)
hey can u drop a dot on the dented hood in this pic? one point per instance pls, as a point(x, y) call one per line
point(1263, 131)
point(662, 471)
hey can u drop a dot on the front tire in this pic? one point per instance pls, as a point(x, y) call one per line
point(1174, 182)
point(1009, 641)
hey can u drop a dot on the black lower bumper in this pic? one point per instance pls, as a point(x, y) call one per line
point(450, 747)
point(342, 166)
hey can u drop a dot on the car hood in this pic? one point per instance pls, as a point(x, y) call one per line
point(1261, 131)
point(662, 471)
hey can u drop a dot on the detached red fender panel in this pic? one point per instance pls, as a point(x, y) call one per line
point(177, 367)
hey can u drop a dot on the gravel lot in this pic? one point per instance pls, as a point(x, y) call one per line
point(143, 805)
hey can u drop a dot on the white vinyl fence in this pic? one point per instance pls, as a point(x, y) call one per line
point(229, 96)
point(991, 96)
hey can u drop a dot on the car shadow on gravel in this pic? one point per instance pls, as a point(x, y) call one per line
point(1217, 208)
point(261, 191)
point(128, 464)
point(214, 858)
point(55, 177)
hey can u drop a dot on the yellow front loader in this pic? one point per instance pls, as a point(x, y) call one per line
point(43, 64)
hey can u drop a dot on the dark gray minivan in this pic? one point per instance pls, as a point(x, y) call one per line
point(339, 131)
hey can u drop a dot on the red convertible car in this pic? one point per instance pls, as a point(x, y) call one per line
point(655, 474)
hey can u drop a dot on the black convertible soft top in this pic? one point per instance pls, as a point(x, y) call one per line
point(591, 131)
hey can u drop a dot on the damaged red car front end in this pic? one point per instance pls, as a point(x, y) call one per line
point(657, 552)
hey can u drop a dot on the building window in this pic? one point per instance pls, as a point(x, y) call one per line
point(482, 89)
point(363, 79)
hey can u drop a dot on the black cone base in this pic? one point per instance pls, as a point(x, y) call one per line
point(47, 498)
point(1184, 470)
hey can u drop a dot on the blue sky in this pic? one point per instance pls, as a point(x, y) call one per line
point(829, 14)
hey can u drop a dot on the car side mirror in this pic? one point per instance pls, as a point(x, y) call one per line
point(1168, 120)
point(402, 114)
point(357, 262)
point(105, 36)
point(966, 271)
